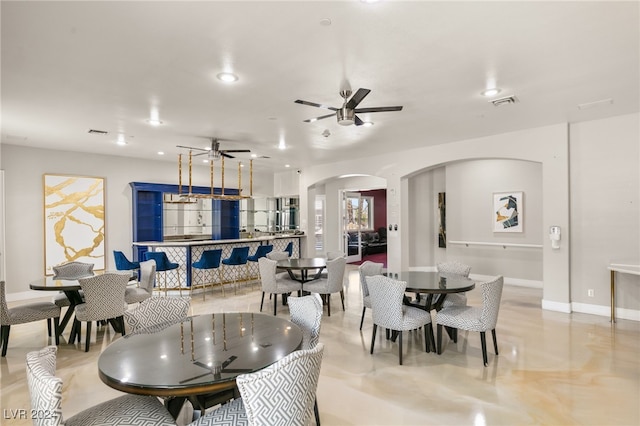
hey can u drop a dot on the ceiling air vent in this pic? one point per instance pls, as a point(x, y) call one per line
point(97, 132)
point(509, 100)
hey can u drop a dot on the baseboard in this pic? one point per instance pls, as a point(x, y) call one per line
point(605, 311)
point(550, 305)
point(518, 282)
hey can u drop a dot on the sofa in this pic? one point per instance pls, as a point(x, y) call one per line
point(371, 242)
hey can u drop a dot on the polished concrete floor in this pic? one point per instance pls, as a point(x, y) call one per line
point(553, 368)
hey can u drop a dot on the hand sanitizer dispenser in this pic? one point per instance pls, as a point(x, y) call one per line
point(554, 236)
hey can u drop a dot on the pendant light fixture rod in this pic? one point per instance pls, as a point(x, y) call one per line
point(251, 177)
point(179, 174)
point(222, 187)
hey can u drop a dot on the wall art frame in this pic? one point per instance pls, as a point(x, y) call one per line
point(508, 209)
point(74, 220)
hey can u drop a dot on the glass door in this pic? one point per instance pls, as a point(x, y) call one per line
point(351, 221)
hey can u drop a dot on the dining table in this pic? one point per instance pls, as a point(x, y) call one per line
point(434, 285)
point(198, 356)
point(303, 266)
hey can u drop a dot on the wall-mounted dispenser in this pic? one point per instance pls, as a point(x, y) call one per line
point(554, 236)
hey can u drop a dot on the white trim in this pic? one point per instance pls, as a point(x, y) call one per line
point(550, 305)
point(605, 311)
point(518, 282)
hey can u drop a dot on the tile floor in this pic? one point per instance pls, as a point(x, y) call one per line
point(553, 368)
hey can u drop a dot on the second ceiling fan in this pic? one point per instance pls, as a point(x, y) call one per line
point(346, 115)
point(214, 152)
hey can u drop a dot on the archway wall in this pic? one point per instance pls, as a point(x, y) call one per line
point(545, 145)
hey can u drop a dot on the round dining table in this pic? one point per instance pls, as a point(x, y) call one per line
point(433, 284)
point(303, 265)
point(199, 355)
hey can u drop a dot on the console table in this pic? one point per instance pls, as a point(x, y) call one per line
point(632, 268)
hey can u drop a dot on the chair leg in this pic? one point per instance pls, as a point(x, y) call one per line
point(262, 301)
point(88, 337)
point(373, 336)
point(56, 329)
point(316, 412)
point(122, 330)
point(5, 329)
point(400, 346)
point(495, 341)
point(342, 298)
point(427, 343)
point(432, 340)
point(483, 341)
point(439, 333)
point(49, 327)
point(364, 308)
point(179, 283)
point(329, 304)
point(275, 305)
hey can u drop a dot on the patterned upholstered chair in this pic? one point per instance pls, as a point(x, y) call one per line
point(272, 284)
point(144, 289)
point(70, 271)
point(306, 313)
point(334, 255)
point(279, 395)
point(277, 255)
point(332, 284)
point(23, 314)
point(454, 268)
point(45, 390)
point(389, 312)
point(157, 311)
point(367, 269)
point(104, 300)
point(470, 318)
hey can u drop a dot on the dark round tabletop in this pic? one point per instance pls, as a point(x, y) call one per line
point(51, 283)
point(303, 263)
point(432, 282)
point(199, 355)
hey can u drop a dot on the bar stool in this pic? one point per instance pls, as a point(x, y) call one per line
point(163, 265)
point(237, 257)
point(124, 264)
point(210, 259)
point(289, 248)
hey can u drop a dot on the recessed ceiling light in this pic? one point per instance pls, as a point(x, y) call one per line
point(254, 155)
point(490, 92)
point(121, 140)
point(287, 165)
point(367, 124)
point(594, 104)
point(160, 153)
point(227, 77)
point(325, 22)
point(154, 121)
point(369, 1)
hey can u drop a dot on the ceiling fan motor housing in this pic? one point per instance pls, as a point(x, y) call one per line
point(345, 116)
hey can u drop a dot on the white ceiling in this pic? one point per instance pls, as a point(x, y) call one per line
point(68, 67)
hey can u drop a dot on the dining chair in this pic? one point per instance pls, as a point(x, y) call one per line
point(277, 255)
point(472, 318)
point(367, 269)
point(104, 300)
point(454, 268)
point(306, 313)
point(23, 314)
point(237, 257)
point(144, 289)
point(334, 255)
point(332, 284)
point(272, 284)
point(209, 260)
point(388, 311)
point(45, 390)
point(124, 264)
point(157, 311)
point(163, 265)
point(70, 271)
point(282, 394)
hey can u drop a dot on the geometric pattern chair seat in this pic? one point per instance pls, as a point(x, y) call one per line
point(367, 269)
point(481, 319)
point(332, 284)
point(210, 259)
point(163, 265)
point(45, 390)
point(70, 271)
point(157, 311)
point(282, 394)
point(23, 314)
point(104, 300)
point(237, 257)
point(144, 289)
point(330, 256)
point(272, 284)
point(122, 263)
point(306, 313)
point(388, 311)
point(454, 268)
point(279, 255)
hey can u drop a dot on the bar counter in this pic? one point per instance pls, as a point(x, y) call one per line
point(185, 253)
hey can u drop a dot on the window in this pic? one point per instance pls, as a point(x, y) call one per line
point(319, 222)
point(360, 214)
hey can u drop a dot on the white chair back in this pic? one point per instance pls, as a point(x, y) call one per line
point(278, 255)
point(386, 301)
point(306, 313)
point(368, 269)
point(104, 296)
point(147, 275)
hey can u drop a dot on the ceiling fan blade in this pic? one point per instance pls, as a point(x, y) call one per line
point(311, 120)
point(235, 150)
point(202, 153)
point(313, 104)
point(224, 154)
point(191, 147)
point(357, 121)
point(357, 98)
point(379, 109)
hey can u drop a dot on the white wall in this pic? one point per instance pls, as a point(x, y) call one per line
point(24, 168)
point(605, 212)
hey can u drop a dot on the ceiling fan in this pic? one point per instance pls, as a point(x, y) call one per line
point(346, 114)
point(214, 152)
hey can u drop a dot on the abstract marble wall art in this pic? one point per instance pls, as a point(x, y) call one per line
point(507, 212)
point(74, 225)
